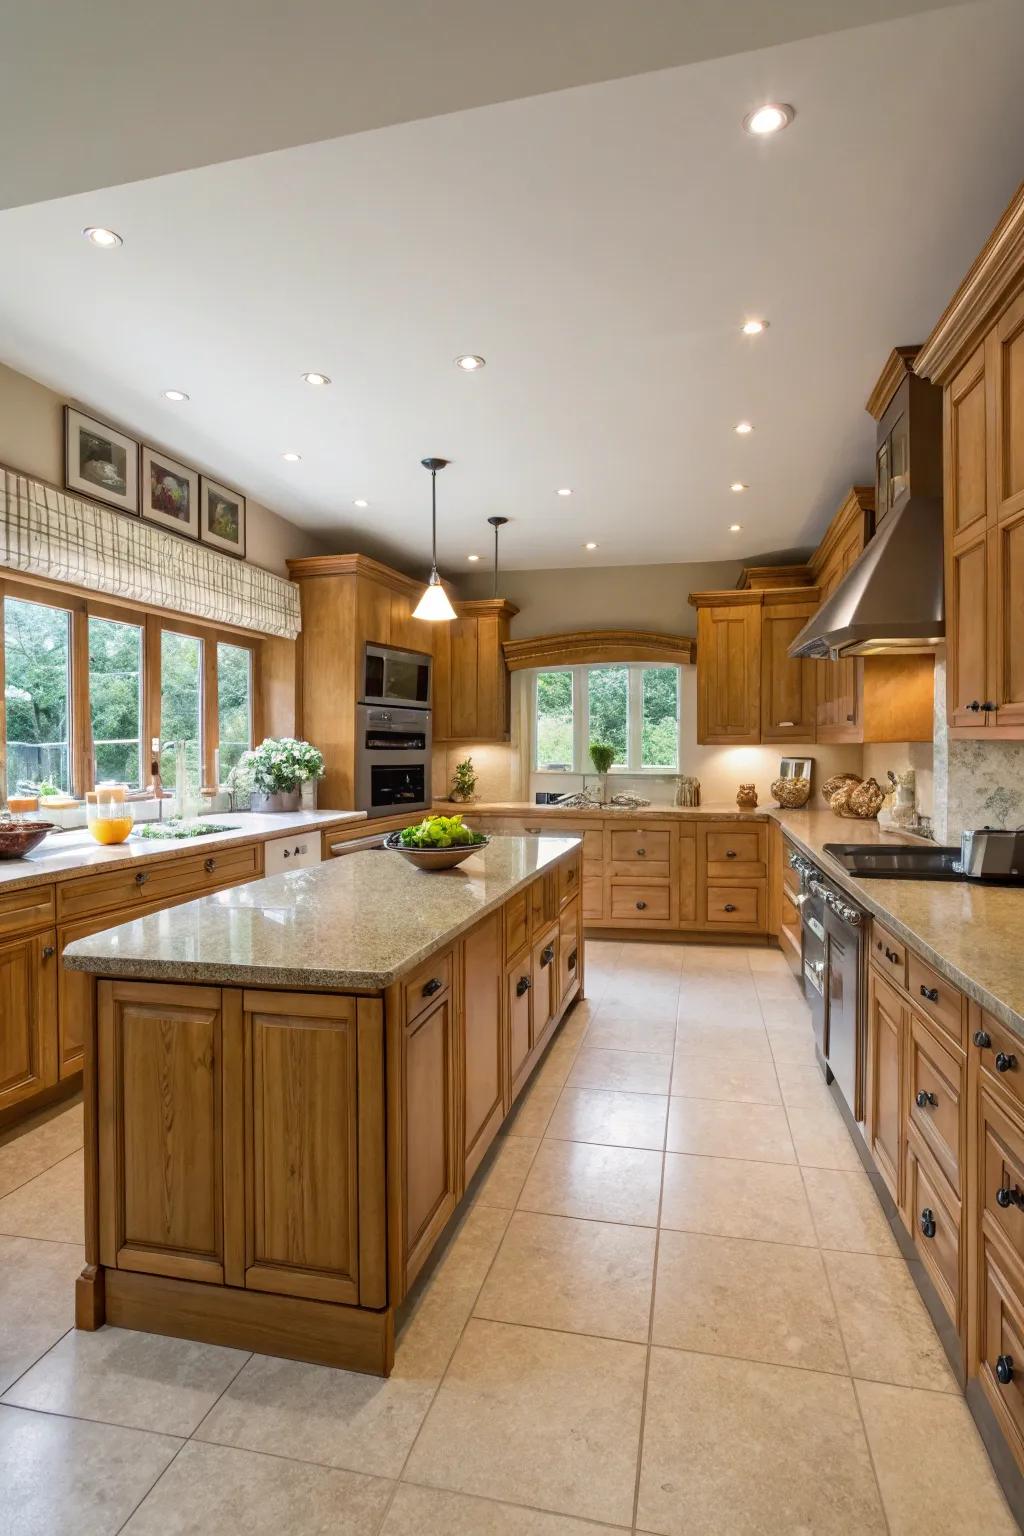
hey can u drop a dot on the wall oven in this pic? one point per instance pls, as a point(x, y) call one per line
point(396, 677)
point(392, 760)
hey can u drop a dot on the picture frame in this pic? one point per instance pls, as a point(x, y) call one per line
point(170, 493)
point(221, 517)
point(100, 462)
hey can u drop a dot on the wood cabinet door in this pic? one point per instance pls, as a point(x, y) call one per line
point(570, 941)
point(161, 1149)
point(687, 876)
point(483, 1048)
point(28, 1016)
point(519, 1012)
point(788, 685)
point(1006, 689)
point(966, 432)
point(1008, 425)
point(729, 674)
point(463, 679)
point(311, 1123)
point(887, 1025)
point(429, 1173)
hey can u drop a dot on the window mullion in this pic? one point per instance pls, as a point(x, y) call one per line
point(634, 708)
point(581, 716)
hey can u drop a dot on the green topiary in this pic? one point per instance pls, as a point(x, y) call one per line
point(601, 755)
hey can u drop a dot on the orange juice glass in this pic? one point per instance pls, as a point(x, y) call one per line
point(108, 813)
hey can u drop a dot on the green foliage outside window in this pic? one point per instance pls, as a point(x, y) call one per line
point(37, 679)
point(115, 701)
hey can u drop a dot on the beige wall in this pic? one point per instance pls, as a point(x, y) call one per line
point(32, 440)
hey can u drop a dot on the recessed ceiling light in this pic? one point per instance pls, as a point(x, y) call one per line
point(738, 485)
point(291, 458)
point(472, 557)
point(106, 239)
point(743, 427)
point(734, 527)
point(754, 327)
point(769, 118)
point(359, 502)
point(316, 378)
point(565, 490)
point(174, 394)
point(470, 363)
point(590, 546)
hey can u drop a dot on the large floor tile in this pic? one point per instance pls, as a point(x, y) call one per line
point(846, 1212)
point(311, 1413)
point(710, 1077)
point(50, 1205)
point(888, 1334)
point(802, 1083)
point(727, 1197)
point(62, 1476)
point(757, 1301)
point(578, 1276)
point(631, 1071)
point(611, 1118)
point(419, 1511)
point(733, 1448)
point(24, 1154)
point(634, 999)
point(717, 1128)
point(503, 1181)
point(37, 1299)
point(614, 1034)
point(714, 958)
point(140, 1380)
point(732, 1042)
point(535, 1108)
point(575, 1178)
point(935, 1477)
point(821, 1137)
point(779, 986)
point(550, 1420)
point(211, 1488)
point(791, 1044)
point(768, 960)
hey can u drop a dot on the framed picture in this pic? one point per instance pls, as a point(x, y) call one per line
point(170, 493)
point(100, 462)
point(222, 518)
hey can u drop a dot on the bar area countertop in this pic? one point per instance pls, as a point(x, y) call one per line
point(356, 924)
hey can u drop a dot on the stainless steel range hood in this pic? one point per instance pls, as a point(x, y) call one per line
point(891, 600)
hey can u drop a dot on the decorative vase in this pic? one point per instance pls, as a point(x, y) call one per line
point(866, 799)
point(283, 800)
point(791, 794)
point(307, 794)
point(835, 783)
point(746, 797)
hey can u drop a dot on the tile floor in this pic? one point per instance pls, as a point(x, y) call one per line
point(673, 1305)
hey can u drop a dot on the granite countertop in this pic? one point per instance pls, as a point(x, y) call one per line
point(354, 924)
point(972, 934)
point(63, 855)
point(725, 812)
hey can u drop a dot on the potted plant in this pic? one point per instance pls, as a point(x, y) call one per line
point(276, 771)
point(602, 756)
point(463, 780)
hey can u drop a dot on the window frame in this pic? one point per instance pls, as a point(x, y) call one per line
point(580, 673)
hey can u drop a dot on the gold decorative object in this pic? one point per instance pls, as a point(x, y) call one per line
point(791, 794)
point(836, 782)
point(687, 790)
point(866, 799)
point(746, 797)
point(840, 801)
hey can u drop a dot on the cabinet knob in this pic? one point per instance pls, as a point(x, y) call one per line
point(571, 872)
point(923, 1098)
point(851, 718)
point(641, 906)
point(210, 865)
point(523, 985)
point(431, 986)
point(286, 853)
point(729, 907)
point(931, 993)
point(890, 955)
point(973, 706)
point(987, 708)
point(640, 853)
point(982, 1039)
point(730, 853)
point(141, 877)
point(928, 1222)
point(48, 951)
point(547, 954)
point(1004, 1370)
point(1007, 1196)
point(1005, 1062)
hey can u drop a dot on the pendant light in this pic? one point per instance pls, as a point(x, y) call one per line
point(434, 603)
point(496, 523)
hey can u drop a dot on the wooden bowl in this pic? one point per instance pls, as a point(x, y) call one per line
point(19, 837)
point(433, 858)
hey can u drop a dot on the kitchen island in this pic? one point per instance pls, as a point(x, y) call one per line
point(289, 1086)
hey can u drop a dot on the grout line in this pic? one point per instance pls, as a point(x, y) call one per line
point(30, 1367)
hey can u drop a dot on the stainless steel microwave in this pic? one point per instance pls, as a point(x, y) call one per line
point(392, 676)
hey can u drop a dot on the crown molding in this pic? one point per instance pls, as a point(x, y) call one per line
point(898, 365)
point(588, 646)
point(859, 502)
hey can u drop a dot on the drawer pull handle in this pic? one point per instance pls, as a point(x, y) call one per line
point(928, 1222)
point(982, 1039)
point(48, 951)
point(571, 962)
point(931, 993)
point(730, 853)
point(210, 865)
point(923, 1098)
point(141, 877)
point(547, 954)
point(1007, 1196)
point(1004, 1370)
point(891, 955)
point(973, 706)
point(571, 873)
point(523, 986)
point(641, 853)
point(729, 907)
point(1004, 1062)
point(641, 906)
point(432, 986)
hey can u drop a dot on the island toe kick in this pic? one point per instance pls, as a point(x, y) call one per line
point(270, 1168)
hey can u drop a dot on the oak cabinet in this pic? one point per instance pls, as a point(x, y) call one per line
point(28, 1016)
point(728, 669)
point(519, 1010)
point(430, 1175)
point(483, 1047)
point(788, 694)
point(471, 680)
point(887, 1025)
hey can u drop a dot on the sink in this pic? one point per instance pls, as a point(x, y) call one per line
point(897, 863)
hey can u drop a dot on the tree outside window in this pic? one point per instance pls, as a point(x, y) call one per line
point(37, 694)
point(234, 704)
point(632, 708)
point(115, 701)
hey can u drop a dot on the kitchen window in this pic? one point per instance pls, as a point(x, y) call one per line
point(181, 705)
point(37, 694)
point(234, 705)
point(632, 706)
point(116, 701)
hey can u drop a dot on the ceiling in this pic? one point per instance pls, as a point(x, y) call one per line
point(599, 246)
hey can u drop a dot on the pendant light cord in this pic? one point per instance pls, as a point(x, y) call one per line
point(433, 521)
point(496, 527)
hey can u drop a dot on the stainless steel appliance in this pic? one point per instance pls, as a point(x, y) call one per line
point(986, 857)
point(989, 854)
point(395, 676)
point(392, 760)
point(833, 950)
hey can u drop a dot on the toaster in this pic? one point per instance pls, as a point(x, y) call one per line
point(988, 854)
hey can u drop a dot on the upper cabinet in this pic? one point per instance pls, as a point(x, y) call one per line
point(471, 681)
point(976, 353)
point(749, 689)
point(908, 453)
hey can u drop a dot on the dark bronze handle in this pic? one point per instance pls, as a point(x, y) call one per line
point(1004, 1062)
point(931, 993)
point(923, 1098)
point(1007, 1196)
point(571, 962)
point(286, 854)
point(851, 717)
point(141, 878)
point(48, 951)
point(570, 873)
point(729, 907)
point(210, 865)
point(432, 986)
point(730, 853)
point(988, 708)
point(890, 954)
point(641, 906)
point(928, 1222)
point(982, 1039)
point(523, 985)
point(641, 852)
point(1004, 1370)
point(547, 954)
point(973, 706)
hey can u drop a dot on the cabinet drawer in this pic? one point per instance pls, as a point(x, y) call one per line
point(889, 954)
point(592, 837)
point(102, 893)
point(568, 879)
point(593, 896)
point(736, 906)
point(568, 949)
point(1002, 1055)
point(153, 881)
point(937, 997)
point(641, 849)
point(1001, 1172)
point(936, 1090)
point(517, 922)
point(1001, 1346)
point(423, 988)
point(737, 854)
point(934, 1225)
point(640, 903)
point(21, 911)
point(283, 853)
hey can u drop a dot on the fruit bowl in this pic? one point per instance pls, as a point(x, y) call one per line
point(434, 858)
point(19, 837)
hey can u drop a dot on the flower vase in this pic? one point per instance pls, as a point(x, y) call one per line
point(307, 794)
point(282, 800)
